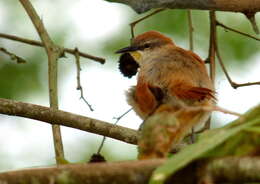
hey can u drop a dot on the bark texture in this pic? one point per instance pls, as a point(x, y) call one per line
point(53, 116)
point(218, 5)
point(230, 169)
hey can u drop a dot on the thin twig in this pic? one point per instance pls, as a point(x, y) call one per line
point(121, 116)
point(40, 44)
point(54, 53)
point(223, 66)
point(212, 49)
point(104, 137)
point(236, 31)
point(231, 82)
point(235, 85)
point(192, 135)
point(251, 18)
point(132, 25)
point(211, 57)
point(14, 57)
point(79, 87)
point(191, 29)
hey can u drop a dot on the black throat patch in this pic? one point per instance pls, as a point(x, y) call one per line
point(127, 65)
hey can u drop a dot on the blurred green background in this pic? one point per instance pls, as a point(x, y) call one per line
point(100, 28)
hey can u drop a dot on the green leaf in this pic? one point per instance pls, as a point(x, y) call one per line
point(246, 142)
point(206, 142)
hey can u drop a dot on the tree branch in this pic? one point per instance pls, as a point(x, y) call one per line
point(13, 56)
point(52, 116)
point(233, 169)
point(218, 5)
point(191, 29)
point(211, 57)
point(212, 46)
point(53, 52)
point(79, 87)
point(133, 24)
point(236, 31)
point(229, 169)
point(104, 137)
point(231, 82)
point(40, 44)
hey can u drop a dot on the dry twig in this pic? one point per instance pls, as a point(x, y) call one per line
point(251, 17)
point(212, 45)
point(40, 44)
point(117, 120)
point(236, 31)
point(191, 29)
point(54, 53)
point(231, 82)
point(13, 56)
point(79, 87)
point(211, 57)
point(132, 25)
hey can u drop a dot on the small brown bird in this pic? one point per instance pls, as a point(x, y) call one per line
point(172, 84)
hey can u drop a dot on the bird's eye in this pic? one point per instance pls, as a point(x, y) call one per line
point(147, 45)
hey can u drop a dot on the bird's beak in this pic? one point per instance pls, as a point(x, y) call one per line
point(127, 49)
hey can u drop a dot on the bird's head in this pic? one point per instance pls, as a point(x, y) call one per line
point(146, 43)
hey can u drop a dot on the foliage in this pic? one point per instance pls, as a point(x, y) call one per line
point(215, 143)
point(19, 80)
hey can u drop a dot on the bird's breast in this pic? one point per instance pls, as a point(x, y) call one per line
point(154, 72)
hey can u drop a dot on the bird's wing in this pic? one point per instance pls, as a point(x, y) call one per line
point(147, 96)
point(184, 90)
point(190, 79)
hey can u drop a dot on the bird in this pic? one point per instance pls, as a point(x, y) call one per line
point(172, 88)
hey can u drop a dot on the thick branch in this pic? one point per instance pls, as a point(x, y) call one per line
point(130, 172)
point(234, 169)
point(218, 5)
point(237, 170)
point(59, 117)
